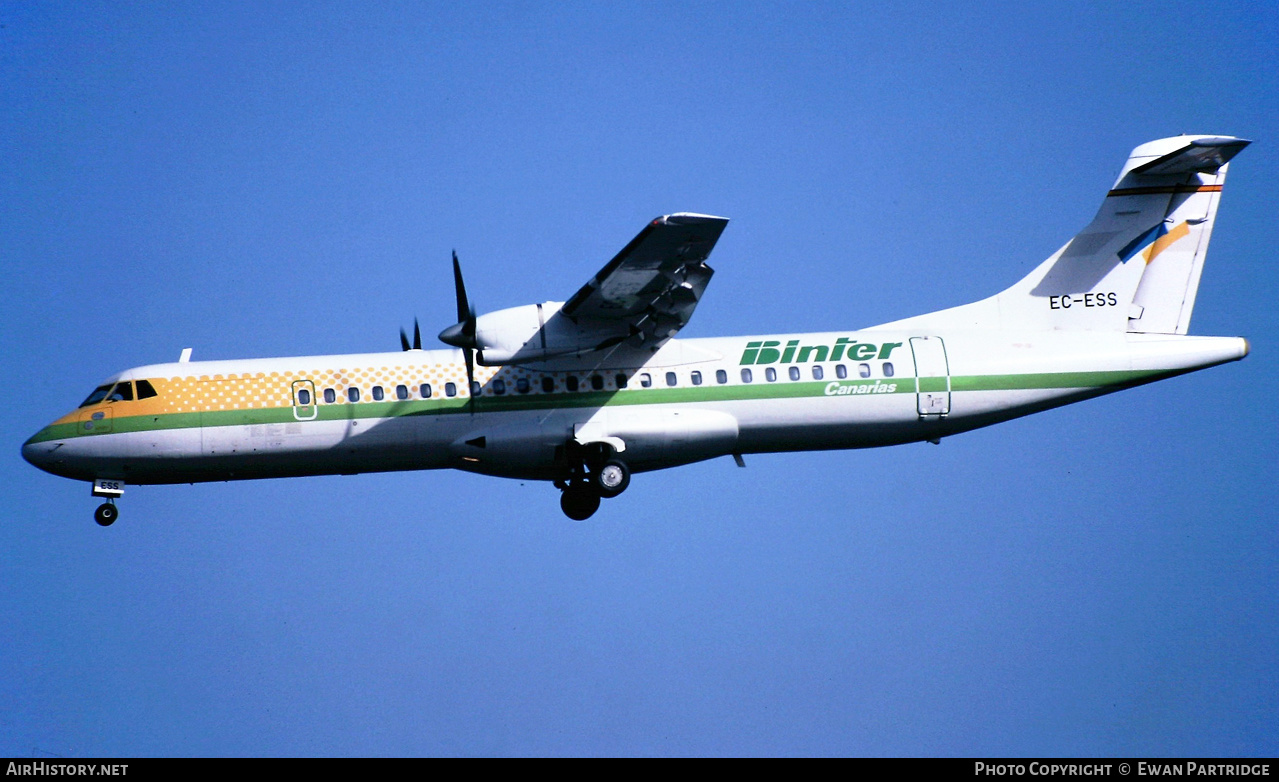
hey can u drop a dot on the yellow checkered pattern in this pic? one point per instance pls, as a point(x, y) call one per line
point(247, 391)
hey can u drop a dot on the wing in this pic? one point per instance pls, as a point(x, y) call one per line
point(655, 282)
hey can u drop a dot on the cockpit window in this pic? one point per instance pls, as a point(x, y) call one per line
point(98, 395)
point(123, 392)
point(145, 389)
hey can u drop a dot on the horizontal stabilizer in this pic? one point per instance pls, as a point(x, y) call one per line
point(1198, 154)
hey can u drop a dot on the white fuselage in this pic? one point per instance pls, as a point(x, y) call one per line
point(227, 420)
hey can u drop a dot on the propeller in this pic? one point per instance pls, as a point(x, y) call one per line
point(462, 334)
point(417, 338)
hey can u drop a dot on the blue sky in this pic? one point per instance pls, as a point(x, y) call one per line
point(288, 179)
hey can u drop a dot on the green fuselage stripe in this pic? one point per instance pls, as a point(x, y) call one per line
point(632, 396)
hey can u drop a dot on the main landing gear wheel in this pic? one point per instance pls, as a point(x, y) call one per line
point(579, 502)
point(611, 478)
point(106, 514)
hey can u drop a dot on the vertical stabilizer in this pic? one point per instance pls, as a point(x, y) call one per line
point(1136, 267)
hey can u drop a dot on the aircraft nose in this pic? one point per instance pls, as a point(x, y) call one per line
point(54, 454)
point(32, 452)
point(39, 454)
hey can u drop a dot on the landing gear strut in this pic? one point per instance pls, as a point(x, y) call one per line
point(594, 472)
point(106, 514)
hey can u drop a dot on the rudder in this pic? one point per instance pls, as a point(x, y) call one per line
point(1189, 179)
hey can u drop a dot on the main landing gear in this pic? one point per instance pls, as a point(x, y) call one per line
point(594, 473)
point(106, 514)
point(579, 501)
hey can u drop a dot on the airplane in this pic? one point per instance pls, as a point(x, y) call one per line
point(587, 392)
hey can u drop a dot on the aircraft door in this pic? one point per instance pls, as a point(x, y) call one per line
point(304, 402)
point(932, 376)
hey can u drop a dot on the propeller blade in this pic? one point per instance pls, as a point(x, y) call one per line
point(464, 311)
point(462, 333)
point(470, 379)
point(417, 336)
point(404, 340)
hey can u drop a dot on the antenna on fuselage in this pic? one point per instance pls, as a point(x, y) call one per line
point(185, 357)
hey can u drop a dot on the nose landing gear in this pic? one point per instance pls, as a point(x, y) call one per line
point(594, 473)
point(106, 514)
point(109, 489)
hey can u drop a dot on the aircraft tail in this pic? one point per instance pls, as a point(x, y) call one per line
point(1136, 267)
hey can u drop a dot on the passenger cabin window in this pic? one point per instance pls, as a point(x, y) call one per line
point(97, 395)
point(888, 369)
point(818, 372)
point(304, 397)
point(450, 389)
point(646, 380)
point(696, 377)
point(770, 375)
point(330, 396)
point(746, 376)
point(548, 384)
point(401, 392)
point(841, 371)
point(671, 379)
point(353, 394)
point(521, 385)
point(378, 394)
point(597, 382)
point(863, 370)
point(620, 380)
point(794, 373)
point(424, 391)
point(476, 389)
point(721, 376)
point(145, 389)
point(570, 382)
point(499, 386)
point(123, 392)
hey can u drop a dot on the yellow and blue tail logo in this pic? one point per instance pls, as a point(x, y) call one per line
point(1154, 241)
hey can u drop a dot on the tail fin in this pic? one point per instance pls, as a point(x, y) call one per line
point(1136, 267)
point(1188, 179)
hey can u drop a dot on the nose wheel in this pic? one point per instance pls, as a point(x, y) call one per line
point(106, 514)
point(109, 489)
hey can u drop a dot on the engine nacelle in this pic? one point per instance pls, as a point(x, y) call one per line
point(537, 332)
